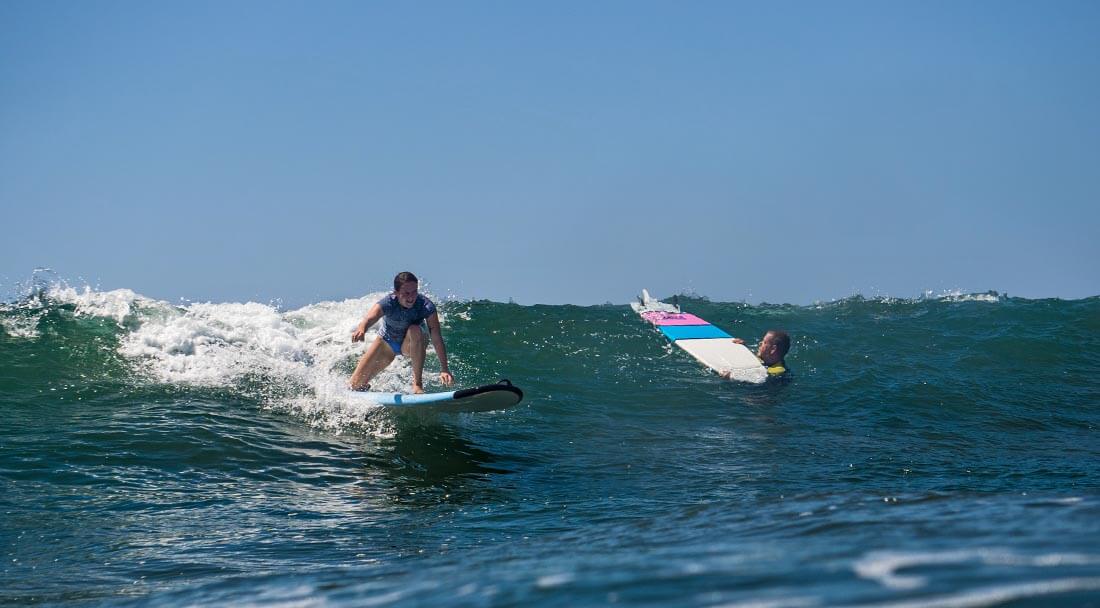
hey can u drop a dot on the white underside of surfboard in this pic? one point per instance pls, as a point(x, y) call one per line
point(728, 358)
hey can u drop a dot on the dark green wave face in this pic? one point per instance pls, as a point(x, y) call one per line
point(935, 451)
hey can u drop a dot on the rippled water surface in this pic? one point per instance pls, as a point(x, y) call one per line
point(937, 452)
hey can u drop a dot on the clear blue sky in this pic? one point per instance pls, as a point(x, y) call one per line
point(552, 152)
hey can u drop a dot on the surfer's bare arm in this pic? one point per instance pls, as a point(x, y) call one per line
point(436, 334)
point(373, 314)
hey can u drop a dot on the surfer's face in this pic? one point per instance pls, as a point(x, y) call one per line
point(406, 295)
point(768, 350)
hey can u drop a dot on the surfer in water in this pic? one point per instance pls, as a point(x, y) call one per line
point(401, 332)
point(772, 350)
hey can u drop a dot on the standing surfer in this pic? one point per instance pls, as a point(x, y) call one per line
point(403, 314)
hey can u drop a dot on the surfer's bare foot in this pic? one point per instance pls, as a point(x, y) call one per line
point(418, 390)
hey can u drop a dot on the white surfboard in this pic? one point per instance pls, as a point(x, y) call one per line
point(710, 345)
point(499, 396)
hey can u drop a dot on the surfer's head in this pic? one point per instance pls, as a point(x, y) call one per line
point(774, 346)
point(405, 285)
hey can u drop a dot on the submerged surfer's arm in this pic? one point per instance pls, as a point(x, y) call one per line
point(440, 349)
point(373, 314)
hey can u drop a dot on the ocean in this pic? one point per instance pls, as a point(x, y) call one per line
point(940, 451)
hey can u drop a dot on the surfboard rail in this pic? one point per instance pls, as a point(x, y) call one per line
point(498, 396)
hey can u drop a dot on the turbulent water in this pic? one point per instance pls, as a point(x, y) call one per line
point(933, 452)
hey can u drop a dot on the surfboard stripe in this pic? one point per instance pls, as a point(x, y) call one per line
point(692, 332)
point(673, 318)
point(405, 399)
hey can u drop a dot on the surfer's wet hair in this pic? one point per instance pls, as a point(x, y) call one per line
point(402, 278)
point(782, 341)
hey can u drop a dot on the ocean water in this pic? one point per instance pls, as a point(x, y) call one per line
point(941, 451)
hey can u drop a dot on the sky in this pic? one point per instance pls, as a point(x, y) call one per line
point(552, 152)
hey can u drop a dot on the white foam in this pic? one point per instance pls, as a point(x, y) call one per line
point(117, 304)
point(20, 320)
point(960, 296)
point(786, 602)
point(217, 344)
point(550, 581)
point(994, 596)
point(883, 566)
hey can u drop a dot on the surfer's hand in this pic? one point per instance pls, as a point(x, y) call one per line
point(738, 341)
point(446, 378)
point(357, 335)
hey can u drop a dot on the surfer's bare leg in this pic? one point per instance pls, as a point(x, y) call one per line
point(378, 356)
point(415, 347)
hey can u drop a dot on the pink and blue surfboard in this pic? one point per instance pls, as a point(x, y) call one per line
point(709, 344)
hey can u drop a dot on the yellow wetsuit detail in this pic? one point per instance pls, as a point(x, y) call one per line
point(774, 370)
